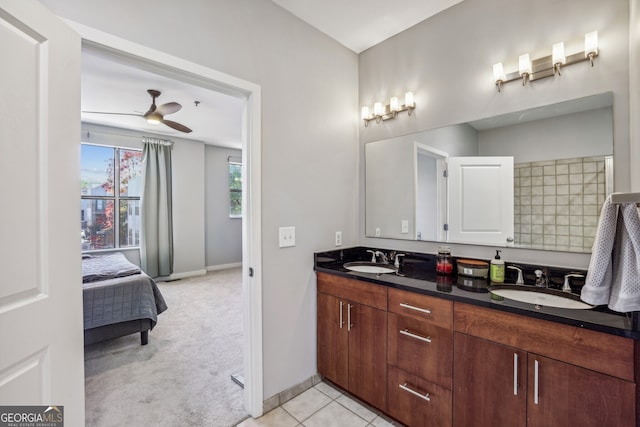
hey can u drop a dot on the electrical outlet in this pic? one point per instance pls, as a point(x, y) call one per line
point(405, 226)
point(287, 237)
point(338, 238)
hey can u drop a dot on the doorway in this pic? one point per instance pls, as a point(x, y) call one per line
point(181, 70)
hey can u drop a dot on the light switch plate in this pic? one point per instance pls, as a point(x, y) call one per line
point(338, 238)
point(405, 226)
point(287, 237)
point(377, 232)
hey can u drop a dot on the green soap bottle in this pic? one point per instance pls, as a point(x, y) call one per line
point(496, 270)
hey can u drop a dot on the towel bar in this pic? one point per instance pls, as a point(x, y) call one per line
point(620, 198)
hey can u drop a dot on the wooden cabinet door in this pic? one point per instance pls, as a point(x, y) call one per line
point(368, 354)
point(489, 386)
point(560, 394)
point(332, 339)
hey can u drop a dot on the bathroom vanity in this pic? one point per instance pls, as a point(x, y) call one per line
point(438, 351)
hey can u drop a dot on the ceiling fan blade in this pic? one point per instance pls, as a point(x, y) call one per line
point(168, 108)
point(115, 114)
point(176, 126)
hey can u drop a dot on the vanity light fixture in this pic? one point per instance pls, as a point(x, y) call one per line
point(385, 112)
point(547, 66)
point(524, 67)
point(558, 58)
point(591, 45)
point(498, 75)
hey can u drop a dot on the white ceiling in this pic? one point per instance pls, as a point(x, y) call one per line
point(360, 24)
point(110, 85)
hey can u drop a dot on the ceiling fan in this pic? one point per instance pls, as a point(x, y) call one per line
point(155, 114)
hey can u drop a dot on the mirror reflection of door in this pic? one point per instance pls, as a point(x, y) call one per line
point(481, 200)
point(431, 193)
point(556, 203)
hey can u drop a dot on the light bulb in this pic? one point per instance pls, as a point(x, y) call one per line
point(591, 44)
point(365, 112)
point(524, 64)
point(377, 109)
point(498, 73)
point(558, 54)
point(394, 104)
point(408, 100)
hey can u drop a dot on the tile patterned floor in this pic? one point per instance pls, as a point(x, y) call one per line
point(321, 406)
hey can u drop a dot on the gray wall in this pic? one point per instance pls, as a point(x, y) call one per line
point(450, 73)
point(309, 140)
point(589, 133)
point(223, 234)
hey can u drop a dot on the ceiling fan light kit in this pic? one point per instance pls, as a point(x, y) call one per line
point(154, 119)
point(155, 114)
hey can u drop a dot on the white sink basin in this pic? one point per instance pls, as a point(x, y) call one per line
point(369, 267)
point(541, 296)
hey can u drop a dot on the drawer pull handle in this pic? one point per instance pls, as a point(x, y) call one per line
point(535, 382)
point(341, 321)
point(415, 393)
point(349, 324)
point(418, 337)
point(411, 307)
point(515, 374)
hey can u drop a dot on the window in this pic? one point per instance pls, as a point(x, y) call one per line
point(235, 189)
point(110, 197)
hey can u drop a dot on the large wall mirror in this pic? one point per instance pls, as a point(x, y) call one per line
point(531, 179)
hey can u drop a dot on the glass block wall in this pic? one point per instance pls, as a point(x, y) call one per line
point(557, 203)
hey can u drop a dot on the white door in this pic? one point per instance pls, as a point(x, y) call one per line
point(431, 193)
point(41, 337)
point(481, 200)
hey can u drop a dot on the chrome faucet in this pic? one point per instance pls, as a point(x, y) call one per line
point(519, 280)
point(541, 279)
point(566, 287)
point(396, 264)
point(378, 255)
point(382, 257)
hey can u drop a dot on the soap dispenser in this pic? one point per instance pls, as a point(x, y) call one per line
point(496, 273)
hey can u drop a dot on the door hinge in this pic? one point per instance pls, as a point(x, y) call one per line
point(445, 173)
point(250, 272)
point(445, 227)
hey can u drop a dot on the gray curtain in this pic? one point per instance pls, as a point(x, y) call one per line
point(156, 243)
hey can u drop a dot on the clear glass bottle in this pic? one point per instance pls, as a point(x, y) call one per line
point(444, 262)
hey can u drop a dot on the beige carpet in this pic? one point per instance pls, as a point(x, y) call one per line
point(183, 376)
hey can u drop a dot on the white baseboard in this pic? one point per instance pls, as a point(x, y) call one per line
point(224, 266)
point(184, 275)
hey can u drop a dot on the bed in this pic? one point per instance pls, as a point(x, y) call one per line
point(118, 298)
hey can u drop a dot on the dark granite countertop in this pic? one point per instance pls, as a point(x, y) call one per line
point(419, 276)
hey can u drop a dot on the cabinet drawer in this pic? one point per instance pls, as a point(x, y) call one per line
point(436, 311)
point(598, 351)
point(353, 290)
point(420, 348)
point(416, 402)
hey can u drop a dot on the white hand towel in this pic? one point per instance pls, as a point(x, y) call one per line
point(625, 289)
point(613, 277)
point(597, 285)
